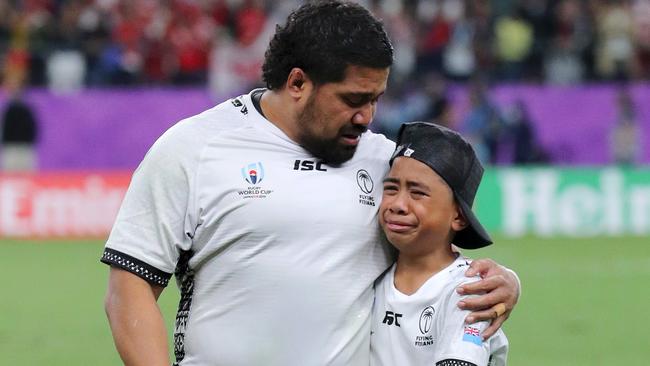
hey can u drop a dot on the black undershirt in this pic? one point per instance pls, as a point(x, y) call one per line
point(256, 97)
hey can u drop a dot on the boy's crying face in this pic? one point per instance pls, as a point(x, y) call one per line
point(418, 211)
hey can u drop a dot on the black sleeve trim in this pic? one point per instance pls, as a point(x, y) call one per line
point(139, 268)
point(454, 362)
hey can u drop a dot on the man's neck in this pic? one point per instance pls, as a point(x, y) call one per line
point(413, 271)
point(278, 111)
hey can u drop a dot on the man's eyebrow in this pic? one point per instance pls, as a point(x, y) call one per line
point(358, 94)
point(363, 95)
point(391, 180)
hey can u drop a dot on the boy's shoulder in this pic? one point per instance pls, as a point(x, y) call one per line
point(439, 287)
point(458, 268)
point(455, 276)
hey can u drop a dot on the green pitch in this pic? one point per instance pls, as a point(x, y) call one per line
point(584, 302)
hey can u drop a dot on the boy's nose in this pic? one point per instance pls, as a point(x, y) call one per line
point(398, 204)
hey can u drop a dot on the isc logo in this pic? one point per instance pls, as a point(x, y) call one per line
point(392, 318)
point(309, 165)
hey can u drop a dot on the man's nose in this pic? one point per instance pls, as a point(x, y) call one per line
point(364, 115)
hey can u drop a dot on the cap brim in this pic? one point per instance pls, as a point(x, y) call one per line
point(474, 235)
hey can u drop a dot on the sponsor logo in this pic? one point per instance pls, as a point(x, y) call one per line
point(47, 205)
point(402, 150)
point(309, 165)
point(253, 174)
point(594, 202)
point(365, 183)
point(472, 335)
point(238, 103)
point(392, 318)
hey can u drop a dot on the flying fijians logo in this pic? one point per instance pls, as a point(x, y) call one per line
point(365, 183)
point(425, 324)
point(426, 319)
point(253, 174)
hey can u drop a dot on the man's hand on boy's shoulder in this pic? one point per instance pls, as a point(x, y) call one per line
point(498, 292)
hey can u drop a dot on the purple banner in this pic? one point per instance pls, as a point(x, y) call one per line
point(107, 129)
point(112, 129)
point(572, 123)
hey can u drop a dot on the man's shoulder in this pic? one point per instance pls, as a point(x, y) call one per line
point(228, 115)
point(184, 141)
point(376, 145)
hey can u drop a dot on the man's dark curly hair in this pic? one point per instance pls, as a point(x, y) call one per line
point(323, 38)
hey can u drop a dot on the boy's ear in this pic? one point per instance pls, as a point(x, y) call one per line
point(459, 222)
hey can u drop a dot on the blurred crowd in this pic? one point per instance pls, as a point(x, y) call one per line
point(124, 42)
point(67, 45)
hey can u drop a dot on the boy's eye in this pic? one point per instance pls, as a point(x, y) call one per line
point(418, 193)
point(390, 188)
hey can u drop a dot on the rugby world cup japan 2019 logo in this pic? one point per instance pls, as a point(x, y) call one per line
point(253, 173)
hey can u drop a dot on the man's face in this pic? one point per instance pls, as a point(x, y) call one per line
point(336, 114)
point(417, 211)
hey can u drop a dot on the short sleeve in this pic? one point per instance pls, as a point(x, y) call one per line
point(156, 221)
point(459, 341)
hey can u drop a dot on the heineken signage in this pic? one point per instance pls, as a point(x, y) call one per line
point(512, 201)
point(572, 202)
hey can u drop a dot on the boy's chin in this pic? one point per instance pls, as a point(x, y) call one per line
point(400, 242)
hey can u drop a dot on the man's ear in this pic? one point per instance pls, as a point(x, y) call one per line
point(459, 222)
point(298, 83)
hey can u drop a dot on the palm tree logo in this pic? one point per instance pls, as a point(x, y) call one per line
point(364, 181)
point(426, 319)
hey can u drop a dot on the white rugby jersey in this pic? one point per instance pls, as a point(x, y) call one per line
point(427, 327)
point(274, 251)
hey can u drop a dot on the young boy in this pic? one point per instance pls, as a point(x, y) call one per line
point(426, 206)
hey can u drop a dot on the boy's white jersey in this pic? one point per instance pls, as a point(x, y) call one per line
point(427, 327)
point(276, 252)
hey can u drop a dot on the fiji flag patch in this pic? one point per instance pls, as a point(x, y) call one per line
point(472, 335)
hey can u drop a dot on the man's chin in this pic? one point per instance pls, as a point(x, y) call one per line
point(333, 152)
point(340, 155)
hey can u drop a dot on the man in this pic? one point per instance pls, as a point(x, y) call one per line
point(265, 209)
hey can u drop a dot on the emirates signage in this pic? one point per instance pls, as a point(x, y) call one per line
point(64, 205)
